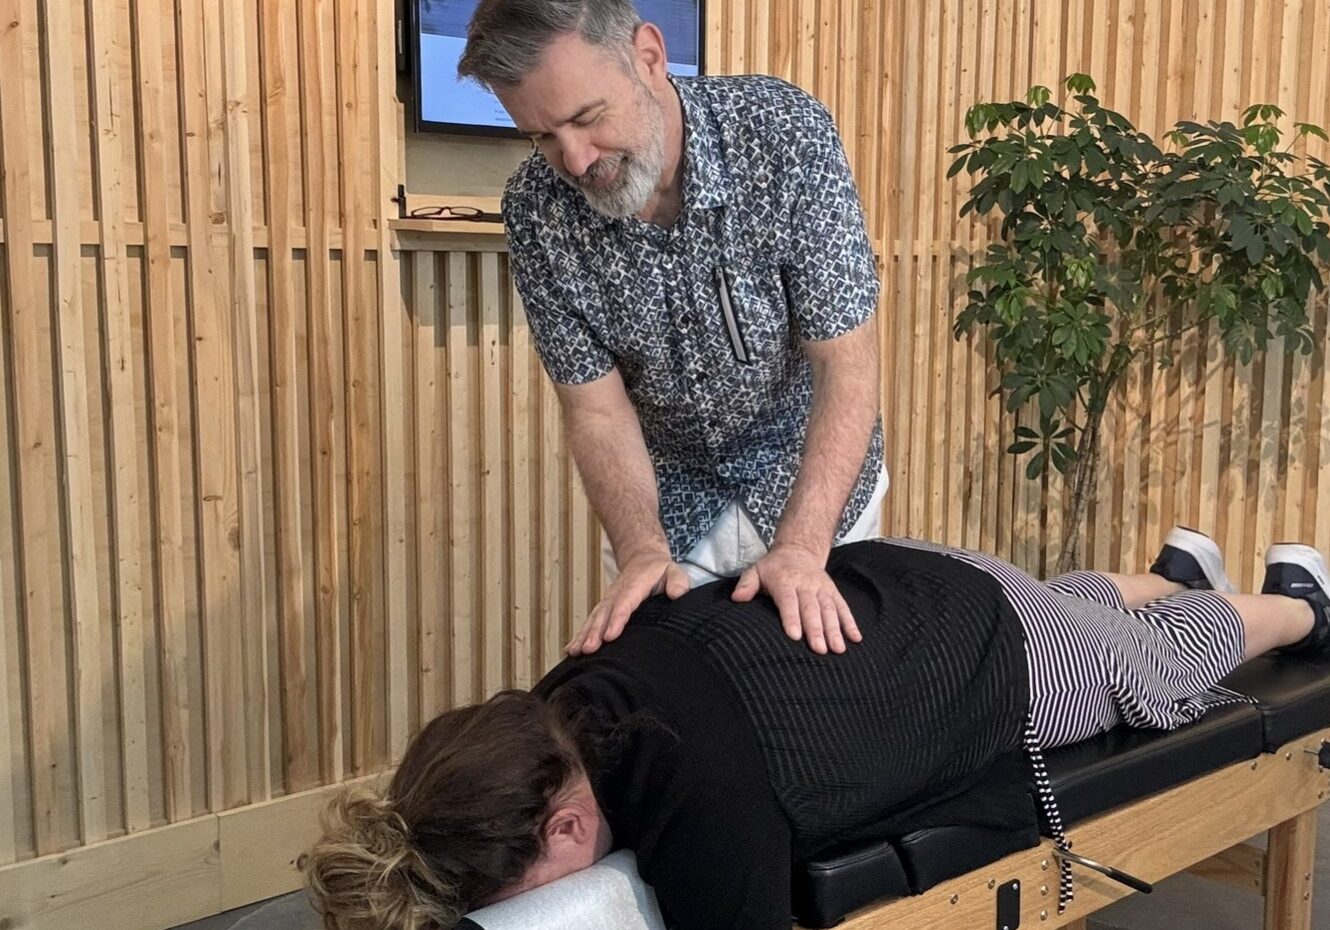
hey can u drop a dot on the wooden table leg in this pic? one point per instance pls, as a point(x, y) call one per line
point(1288, 873)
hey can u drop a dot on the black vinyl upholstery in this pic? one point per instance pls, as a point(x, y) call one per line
point(1294, 695)
point(1123, 764)
point(1088, 778)
point(843, 879)
point(939, 853)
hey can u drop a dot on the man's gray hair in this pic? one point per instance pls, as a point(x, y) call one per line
point(507, 38)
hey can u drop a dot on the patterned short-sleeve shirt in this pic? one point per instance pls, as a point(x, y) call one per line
point(705, 319)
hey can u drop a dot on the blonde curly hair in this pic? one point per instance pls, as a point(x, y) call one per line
point(462, 820)
point(365, 873)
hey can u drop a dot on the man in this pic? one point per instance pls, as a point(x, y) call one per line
point(700, 287)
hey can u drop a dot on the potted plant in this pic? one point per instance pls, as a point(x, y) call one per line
point(1111, 246)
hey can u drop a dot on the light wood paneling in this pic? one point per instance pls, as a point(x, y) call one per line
point(279, 482)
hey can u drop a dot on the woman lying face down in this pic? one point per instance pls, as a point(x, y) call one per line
point(721, 752)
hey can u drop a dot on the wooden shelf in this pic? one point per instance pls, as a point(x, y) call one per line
point(457, 227)
point(452, 227)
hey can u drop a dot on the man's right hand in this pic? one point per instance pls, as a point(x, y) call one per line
point(639, 578)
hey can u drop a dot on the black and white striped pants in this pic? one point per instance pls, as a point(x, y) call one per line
point(1095, 664)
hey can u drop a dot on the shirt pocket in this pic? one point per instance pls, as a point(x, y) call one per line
point(760, 309)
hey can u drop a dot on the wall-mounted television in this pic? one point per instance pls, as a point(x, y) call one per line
point(437, 36)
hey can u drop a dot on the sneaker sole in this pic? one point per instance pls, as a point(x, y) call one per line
point(1305, 557)
point(1206, 553)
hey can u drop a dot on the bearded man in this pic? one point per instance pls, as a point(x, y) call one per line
point(700, 287)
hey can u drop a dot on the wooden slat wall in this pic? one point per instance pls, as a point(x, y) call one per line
point(276, 487)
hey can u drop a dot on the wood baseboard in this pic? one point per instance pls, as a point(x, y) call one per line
point(169, 875)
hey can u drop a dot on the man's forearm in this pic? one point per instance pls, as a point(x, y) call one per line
point(845, 408)
point(619, 479)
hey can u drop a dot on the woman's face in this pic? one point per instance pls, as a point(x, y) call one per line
point(576, 836)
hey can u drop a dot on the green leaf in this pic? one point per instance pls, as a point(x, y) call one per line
point(1079, 83)
point(1047, 403)
point(1308, 129)
point(1062, 458)
point(1255, 250)
point(1095, 162)
point(1036, 466)
point(1230, 193)
point(1240, 233)
point(1019, 177)
point(957, 166)
point(975, 118)
point(1022, 447)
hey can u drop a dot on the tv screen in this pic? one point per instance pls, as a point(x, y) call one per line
point(445, 104)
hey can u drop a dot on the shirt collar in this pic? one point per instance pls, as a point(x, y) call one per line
point(707, 182)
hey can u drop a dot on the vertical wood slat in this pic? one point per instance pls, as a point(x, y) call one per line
point(85, 607)
point(249, 656)
point(360, 345)
point(387, 128)
point(281, 83)
point(493, 537)
point(33, 597)
point(1322, 533)
point(526, 617)
point(552, 509)
point(1298, 376)
point(432, 497)
point(986, 89)
point(1316, 520)
point(163, 352)
point(909, 510)
point(312, 25)
point(223, 608)
point(952, 354)
point(36, 467)
point(213, 382)
point(11, 736)
point(462, 490)
point(128, 539)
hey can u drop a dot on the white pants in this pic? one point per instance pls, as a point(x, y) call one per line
point(733, 542)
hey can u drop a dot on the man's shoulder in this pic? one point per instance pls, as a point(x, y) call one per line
point(535, 195)
point(764, 109)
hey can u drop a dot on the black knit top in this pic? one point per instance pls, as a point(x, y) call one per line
point(722, 751)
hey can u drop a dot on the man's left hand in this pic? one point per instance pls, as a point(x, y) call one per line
point(810, 606)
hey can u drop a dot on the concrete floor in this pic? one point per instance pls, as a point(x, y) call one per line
point(1181, 903)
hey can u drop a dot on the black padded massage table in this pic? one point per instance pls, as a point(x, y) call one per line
point(1151, 804)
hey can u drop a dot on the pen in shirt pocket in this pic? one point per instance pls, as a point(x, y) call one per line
point(731, 321)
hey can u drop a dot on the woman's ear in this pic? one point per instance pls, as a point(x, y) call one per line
point(567, 825)
point(570, 836)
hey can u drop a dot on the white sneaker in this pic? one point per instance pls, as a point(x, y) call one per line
point(1299, 571)
point(1192, 559)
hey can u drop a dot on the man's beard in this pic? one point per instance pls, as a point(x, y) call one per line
point(638, 171)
